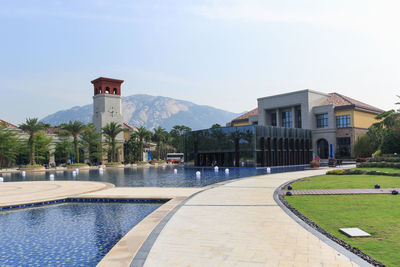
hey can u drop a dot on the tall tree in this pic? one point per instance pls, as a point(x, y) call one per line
point(177, 133)
point(63, 147)
point(110, 131)
point(74, 129)
point(160, 135)
point(9, 146)
point(31, 127)
point(90, 140)
point(42, 145)
point(142, 134)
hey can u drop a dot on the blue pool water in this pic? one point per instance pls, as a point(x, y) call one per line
point(70, 234)
point(153, 176)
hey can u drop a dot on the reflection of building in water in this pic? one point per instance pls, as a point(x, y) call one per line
point(256, 146)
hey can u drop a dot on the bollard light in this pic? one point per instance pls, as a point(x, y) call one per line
point(198, 174)
point(1, 179)
point(226, 171)
point(51, 177)
point(268, 170)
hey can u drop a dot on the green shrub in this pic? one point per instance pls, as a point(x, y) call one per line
point(32, 166)
point(141, 162)
point(77, 165)
point(336, 172)
point(364, 146)
point(113, 163)
point(381, 164)
point(378, 153)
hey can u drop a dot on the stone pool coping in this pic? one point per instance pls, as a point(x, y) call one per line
point(22, 193)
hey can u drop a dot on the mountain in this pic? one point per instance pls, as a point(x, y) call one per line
point(151, 112)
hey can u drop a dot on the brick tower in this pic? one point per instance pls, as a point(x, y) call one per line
point(107, 107)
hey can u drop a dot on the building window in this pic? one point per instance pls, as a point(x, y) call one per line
point(298, 118)
point(287, 119)
point(343, 147)
point(343, 121)
point(273, 119)
point(322, 120)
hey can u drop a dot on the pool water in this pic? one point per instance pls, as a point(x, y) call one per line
point(70, 234)
point(152, 176)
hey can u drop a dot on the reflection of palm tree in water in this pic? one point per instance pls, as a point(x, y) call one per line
point(235, 137)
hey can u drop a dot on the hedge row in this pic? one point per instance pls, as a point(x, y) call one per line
point(385, 159)
point(357, 171)
point(382, 164)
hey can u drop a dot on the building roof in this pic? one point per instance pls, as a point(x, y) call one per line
point(339, 100)
point(128, 126)
point(105, 79)
point(246, 115)
point(10, 125)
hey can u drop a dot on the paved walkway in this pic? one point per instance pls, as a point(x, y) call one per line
point(16, 193)
point(340, 191)
point(240, 224)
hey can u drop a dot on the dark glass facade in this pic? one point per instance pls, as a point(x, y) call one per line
point(252, 146)
point(343, 147)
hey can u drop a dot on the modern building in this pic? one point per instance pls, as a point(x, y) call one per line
point(255, 146)
point(336, 121)
point(107, 107)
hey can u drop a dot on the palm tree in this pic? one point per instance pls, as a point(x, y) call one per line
point(160, 135)
point(32, 126)
point(111, 130)
point(142, 134)
point(74, 129)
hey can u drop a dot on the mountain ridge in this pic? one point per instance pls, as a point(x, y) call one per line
point(151, 111)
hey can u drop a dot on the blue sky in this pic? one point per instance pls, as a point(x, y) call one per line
point(220, 53)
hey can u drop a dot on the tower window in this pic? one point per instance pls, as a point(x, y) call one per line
point(115, 91)
point(107, 90)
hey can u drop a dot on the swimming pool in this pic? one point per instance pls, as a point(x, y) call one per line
point(69, 234)
point(153, 176)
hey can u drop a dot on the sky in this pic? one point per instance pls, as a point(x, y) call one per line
point(222, 53)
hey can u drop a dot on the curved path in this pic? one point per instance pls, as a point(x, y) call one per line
point(16, 193)
point(240, 224)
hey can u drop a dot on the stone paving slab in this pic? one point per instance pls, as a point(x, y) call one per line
point(16, 193)
point(339, 191)
point(144, 192)
point(239, 224)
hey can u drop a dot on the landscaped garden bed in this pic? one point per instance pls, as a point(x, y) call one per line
point(377, 214)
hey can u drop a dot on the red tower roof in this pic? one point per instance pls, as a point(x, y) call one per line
point(104, 85)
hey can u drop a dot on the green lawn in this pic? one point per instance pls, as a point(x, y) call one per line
point(346, 181)
point(391, 170)
point(378, 215)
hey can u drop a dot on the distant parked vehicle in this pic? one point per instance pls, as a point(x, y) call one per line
point(175, 158)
